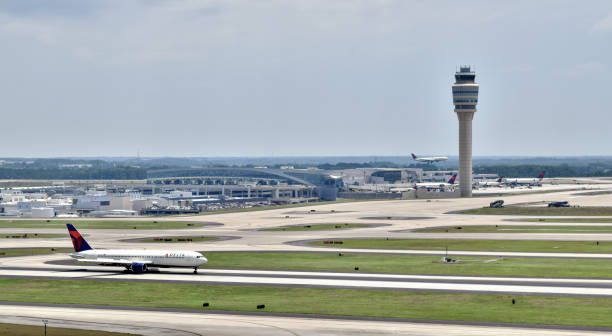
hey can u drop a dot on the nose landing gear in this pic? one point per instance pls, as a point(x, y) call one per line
point(195, 270)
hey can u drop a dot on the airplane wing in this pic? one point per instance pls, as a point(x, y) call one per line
point(115, 261)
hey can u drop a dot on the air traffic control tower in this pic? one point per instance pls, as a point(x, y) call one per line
point(465, 97)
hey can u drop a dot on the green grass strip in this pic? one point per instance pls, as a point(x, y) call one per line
point(286, 206)
point(411, 264)
point(30, 235)
point(347, 302)
point(16, 252)
point(541, 211)
point(567, 220)
point(99, 224)
point(473, 245)
point(180, 239)
point(518, 229)
point(317, 227)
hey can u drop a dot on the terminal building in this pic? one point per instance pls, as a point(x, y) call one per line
point(279, 185)
point(193, 190)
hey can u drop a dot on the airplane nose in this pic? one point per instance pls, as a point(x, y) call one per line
point(203, 260)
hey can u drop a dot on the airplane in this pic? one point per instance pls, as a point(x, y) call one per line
point(433, 185)
point(526, 181)
point(429, 159)
point(137, 261)
point(496, 183)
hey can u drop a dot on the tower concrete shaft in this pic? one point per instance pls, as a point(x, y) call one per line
point(465, 153)
point(465, 98)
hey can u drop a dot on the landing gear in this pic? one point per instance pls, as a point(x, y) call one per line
point(195, 270)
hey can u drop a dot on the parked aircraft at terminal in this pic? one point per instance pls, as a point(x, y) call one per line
point(496, 183)
point(525, 181)
point(434, 185)
point(429, 159)
point(137, 261)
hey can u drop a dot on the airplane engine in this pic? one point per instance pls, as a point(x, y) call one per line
point(138, 267)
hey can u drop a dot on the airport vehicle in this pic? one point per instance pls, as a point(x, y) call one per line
point(435, 185)
point(137, 261)
point(497, 204)
point(429, 159)
point(526, 181)
point(564, 204)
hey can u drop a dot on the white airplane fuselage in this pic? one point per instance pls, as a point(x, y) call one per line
point(431, 159)
point(523, 181)
point(153, 258)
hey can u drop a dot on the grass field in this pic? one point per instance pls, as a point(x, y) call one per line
point(285, 206)
point(566, 220)
point(317, 227)
point(518, 229)
point(29, 235)
point(541, 211)
point(99, 224)
point(180, 239)
point(474, 245)
point(347, 302)
point(15, 252)
point(7, 329)
point(411, 264)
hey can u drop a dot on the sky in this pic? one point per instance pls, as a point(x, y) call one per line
point(302, 77)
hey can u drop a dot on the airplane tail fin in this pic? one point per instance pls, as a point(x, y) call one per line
point(79, 243)
point(500, 179)
point(452, 179)
point(542, 175)
point(414, 156)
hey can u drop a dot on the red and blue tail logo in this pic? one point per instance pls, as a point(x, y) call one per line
point(542, 175)
point(452, 179)
point(78, 241)
point(500, 179)
point(413, 156)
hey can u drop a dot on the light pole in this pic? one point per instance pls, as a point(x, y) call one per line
point(45, 322)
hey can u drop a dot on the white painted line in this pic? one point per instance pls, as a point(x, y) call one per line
point(374, 284)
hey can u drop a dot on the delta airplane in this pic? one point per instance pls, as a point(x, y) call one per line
point(496, 183)
point(137, 261)
point(429, 159)
point(525, 181)
point(430, 185)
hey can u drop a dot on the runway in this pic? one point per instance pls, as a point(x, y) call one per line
point(246, 226)
point(65, 322)
point(219, 324)
point(496, 285)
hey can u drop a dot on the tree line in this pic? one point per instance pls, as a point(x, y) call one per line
point(114, 173)
point(564, 170)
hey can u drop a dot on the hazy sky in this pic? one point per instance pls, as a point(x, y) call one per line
point(307, 77)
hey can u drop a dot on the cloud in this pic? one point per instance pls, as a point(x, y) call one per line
point(334, 66)
point(604, 25)
point(42, 32)
point(587, 68)
point(45, 8)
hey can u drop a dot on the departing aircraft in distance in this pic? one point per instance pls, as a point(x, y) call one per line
point(137, 261)
point(429, 159)
point(432, 185)
point(526, 181)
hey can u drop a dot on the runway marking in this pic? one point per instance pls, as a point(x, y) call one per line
point(334, 323)
point(419, 283)
point(87, 325)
